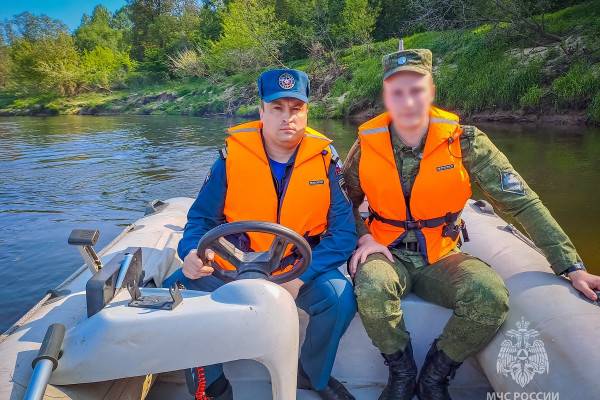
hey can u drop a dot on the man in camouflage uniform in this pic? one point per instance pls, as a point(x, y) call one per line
point(386, 271)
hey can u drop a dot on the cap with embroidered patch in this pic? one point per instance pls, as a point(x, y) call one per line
point(415, 60)
point(277, 83)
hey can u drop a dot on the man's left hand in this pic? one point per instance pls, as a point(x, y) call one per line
point(293, 287)
point(586, 283)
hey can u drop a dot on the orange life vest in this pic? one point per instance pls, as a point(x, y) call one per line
point(251, 192)
point(439, 193)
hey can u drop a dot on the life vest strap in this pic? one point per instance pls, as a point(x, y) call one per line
point(449, 219)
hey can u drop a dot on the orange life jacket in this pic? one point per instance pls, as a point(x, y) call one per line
point(251, 192)
point(439, 193)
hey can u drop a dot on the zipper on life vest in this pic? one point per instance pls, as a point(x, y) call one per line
point(279, 198)
point(286, 181)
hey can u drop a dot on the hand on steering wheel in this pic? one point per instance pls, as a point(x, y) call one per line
point(264, 264)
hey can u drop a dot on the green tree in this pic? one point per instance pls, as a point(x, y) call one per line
point(393, 18)
point(252, 37)
point(299, 16)
point(49, 64)
point(163, 28)
point(211, 19)
point(98, 30)
point(330, 24)
point(104, 68)
point(356, 23)
point(4, 65)
point(31, 27)
point(42, 54)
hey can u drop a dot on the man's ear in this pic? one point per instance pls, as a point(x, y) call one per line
point(261, 109)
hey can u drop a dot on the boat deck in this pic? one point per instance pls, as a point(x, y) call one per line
point(259, 390)
point(358, 363)
point(173, 386)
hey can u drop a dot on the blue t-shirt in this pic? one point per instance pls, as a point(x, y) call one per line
point(278, 169)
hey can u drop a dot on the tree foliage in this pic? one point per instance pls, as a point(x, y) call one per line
point(104, 68)
point(44, 58)
point(153, 40)
point(252, 37)
point(100, 29)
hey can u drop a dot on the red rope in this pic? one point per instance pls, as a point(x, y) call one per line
point(201, 389)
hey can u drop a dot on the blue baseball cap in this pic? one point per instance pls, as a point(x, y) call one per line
point(277, 83)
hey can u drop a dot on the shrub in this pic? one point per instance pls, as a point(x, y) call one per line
point(188, 64)
point(104, 68)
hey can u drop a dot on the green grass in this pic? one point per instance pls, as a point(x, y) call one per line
point(593, 109)
point(532, 98)
point(576, 88)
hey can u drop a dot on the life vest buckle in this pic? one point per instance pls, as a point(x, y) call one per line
point(451, 231)
point(418, 224)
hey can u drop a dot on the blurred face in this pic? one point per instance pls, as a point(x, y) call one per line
point(408, 97)
point(284, 121)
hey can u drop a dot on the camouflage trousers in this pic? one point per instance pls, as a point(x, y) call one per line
point(465, 284)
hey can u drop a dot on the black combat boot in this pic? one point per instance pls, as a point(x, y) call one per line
point(435, 375)
point(334, 390)
point(220, 389)
point(402, 375)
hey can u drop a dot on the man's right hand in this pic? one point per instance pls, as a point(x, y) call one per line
point(367, 245)
point(193, 268)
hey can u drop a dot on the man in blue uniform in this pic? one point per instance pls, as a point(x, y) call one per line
point(282, 140)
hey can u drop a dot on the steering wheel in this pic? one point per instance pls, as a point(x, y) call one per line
point(252, 265)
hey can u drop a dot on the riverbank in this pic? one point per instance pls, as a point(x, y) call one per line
point(167, 101)
point(485, 74)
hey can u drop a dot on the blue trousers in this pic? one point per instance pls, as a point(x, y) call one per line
point(328, 300)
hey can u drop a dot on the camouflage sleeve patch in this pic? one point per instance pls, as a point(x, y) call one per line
point(511, 183)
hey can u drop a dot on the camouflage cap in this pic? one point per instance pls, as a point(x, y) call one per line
point(416, 60)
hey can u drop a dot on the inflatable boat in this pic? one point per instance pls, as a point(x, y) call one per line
point(110, 333)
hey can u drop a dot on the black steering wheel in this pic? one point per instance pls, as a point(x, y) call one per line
point(252, 265)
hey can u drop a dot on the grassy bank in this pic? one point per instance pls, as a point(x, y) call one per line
point(479, 72)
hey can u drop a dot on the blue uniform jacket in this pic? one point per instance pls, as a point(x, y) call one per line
point(336, 244)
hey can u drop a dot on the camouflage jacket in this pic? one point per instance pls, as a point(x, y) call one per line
point(492, 173)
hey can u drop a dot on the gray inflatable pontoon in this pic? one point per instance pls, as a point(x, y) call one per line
point(547, 349)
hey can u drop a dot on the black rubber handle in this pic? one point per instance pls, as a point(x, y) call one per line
point(51, 345)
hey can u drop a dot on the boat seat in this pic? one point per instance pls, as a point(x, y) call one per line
point(359, 361)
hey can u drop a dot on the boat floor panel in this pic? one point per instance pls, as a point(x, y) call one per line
point(261, 390)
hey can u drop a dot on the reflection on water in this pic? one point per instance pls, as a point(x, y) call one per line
point(61, 173)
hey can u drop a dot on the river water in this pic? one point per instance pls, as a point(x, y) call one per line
point(66, 172)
